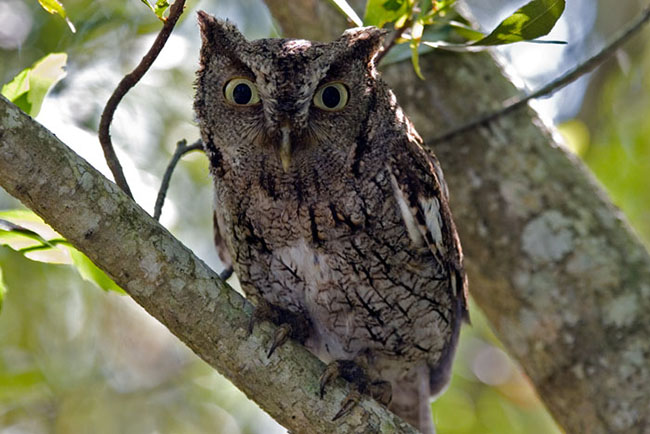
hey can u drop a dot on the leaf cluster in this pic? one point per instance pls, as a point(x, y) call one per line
point(434, 24)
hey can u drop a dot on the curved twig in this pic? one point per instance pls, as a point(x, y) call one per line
point(181, 149)
point(588, 65)
point(124, 86)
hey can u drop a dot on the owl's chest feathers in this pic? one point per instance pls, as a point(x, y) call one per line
point(342, 256)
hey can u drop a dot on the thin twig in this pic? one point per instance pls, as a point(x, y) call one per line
point(617, 41)
point(124, 86)
point(181, 149)
point(393, 40)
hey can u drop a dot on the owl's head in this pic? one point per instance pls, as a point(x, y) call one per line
point(284, 100)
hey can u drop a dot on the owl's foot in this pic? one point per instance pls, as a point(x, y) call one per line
point(290, 324)
point(279, 337)
point(361, 385)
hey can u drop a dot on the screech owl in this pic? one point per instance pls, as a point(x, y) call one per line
point(335, 218)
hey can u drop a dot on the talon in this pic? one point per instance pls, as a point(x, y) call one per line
point(350, 401)
point(280, 337)
point(251, 324)
point(330, 373)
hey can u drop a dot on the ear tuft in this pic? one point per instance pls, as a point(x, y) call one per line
point(364, 41)
point(218, 36)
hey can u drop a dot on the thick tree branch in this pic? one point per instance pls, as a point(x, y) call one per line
point(170, 282)
point(559, 273)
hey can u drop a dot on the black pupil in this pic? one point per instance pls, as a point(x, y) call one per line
point(331, 97)
point(242, 93)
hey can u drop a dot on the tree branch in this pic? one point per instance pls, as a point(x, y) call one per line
point(583, 68)
point(170, 282)
point(181, 149)
point(562, 278)
point(124, 86)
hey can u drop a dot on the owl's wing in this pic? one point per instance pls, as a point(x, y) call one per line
point(423, 199)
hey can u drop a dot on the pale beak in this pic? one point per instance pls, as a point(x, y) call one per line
point(285, 147)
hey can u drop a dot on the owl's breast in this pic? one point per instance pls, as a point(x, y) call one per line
point(347, 262)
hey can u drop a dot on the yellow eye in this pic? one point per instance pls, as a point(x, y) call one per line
point(241, 91)
point(331, 96)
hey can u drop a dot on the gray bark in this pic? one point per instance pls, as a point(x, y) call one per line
point(170, 282)
point(561, 276)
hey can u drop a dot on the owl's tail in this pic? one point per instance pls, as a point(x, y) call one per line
point(412, 400)
point(413, 394)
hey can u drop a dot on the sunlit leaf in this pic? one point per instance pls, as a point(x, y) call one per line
point(380, 12)
point(91, 272)
point(466, 31)
point(159, 8)
point(416, 37)
point(347, 10)
point(25, 232)
point(56, 8)
point(531, 21)
point(28, 89)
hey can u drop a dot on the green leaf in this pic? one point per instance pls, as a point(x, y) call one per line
point(416, 38)
point(380, 12)
point(25, 232)
point(159, 8)
point(3, 289)
point(56, 8)
point(39, 242)
point(466, 31)
point(28, 89)
point(347, 10)
point(91, 272)
point(531, 21)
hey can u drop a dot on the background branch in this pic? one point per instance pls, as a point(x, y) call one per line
point(560, 275)
point(181, 149)
point(170, 282)
point(124, 86)
point(583, 68)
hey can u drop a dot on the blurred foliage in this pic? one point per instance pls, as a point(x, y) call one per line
point(75, 360)
point(612, 134)
point(28, 89)
point(55, 7)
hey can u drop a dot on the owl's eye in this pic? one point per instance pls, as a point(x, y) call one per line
point(241, 91)
point(331, 96)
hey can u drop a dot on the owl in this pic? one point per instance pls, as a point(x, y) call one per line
point(332, 214)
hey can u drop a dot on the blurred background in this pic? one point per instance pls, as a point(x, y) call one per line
point(76, 359)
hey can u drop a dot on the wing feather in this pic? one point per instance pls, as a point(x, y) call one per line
point(423, 196)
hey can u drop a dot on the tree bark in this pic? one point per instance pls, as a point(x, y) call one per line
point(561, 276)
point(170, 282)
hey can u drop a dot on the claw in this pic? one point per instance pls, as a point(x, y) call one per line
point(330, 373)
point(350, 401)
point(280, 337)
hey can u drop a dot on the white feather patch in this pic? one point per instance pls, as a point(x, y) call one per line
point(407, 215)
point(433, 219)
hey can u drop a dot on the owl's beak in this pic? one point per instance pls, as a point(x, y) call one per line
point(285, 147)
